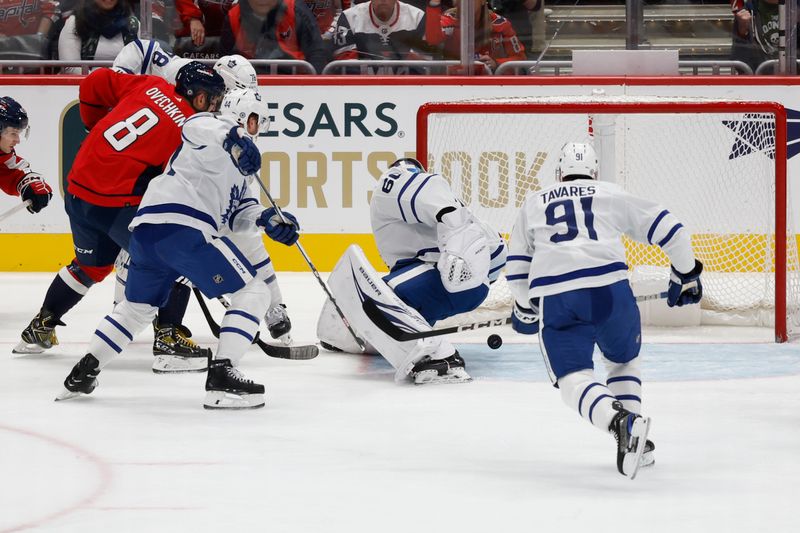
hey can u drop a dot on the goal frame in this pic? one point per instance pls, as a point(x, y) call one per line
point(638, 107)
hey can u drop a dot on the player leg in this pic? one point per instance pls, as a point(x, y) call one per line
point(429, 360)
point(94, 258)
point(619, 338)
point(277, 319)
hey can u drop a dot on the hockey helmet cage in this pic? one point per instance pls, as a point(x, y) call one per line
point(237, 72)
point(577, 159)
point(241, 103)
point(12, 115)
point(407, 162)
point(195, 77)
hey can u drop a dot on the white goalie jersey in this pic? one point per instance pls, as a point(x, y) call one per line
point(569, 236)
point(403, 213)
point(201, 187)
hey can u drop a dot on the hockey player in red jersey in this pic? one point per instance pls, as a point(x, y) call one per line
point(16, 176)
point(134, 125)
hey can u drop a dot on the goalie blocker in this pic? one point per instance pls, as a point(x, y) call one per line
point(354, 281)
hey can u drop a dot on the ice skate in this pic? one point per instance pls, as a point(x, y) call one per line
point(648, 457)
point(278, 324)
point(40, 335)
point(227, 388)
point(630, 431)
point(176, 352)
point(82, 380)
point(448, 370)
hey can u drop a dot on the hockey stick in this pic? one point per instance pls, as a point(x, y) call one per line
point(297, 353)
point(14, 210)
point(388, 327)
point(322, 284)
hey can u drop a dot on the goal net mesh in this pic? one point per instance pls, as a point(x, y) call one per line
point(715, 171)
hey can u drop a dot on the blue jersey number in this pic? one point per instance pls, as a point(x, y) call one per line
point(563, 212)
point(388, 182)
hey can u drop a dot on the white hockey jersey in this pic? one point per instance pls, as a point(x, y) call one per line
point(147, 57)
point(569, 236)
point(403, 216)
point(201, 187)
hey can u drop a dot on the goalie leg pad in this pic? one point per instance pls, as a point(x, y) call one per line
point(352, 281)
point(420, 285)
point(332, 332)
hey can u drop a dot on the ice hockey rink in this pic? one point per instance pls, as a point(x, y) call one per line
point(341, 448)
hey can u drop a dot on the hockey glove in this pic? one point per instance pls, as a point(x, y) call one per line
point(244, 152)
point(685, 288)
point(524, 320)
point(34, 190)
point(276, 229)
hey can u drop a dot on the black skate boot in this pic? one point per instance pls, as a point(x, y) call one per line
point(630, 432)
point(227, 388)
point(448, 370)
point(40, 335)
point(82, 379)
point(278, 324)
point(176, 352)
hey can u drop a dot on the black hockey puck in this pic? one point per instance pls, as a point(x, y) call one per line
point(494, 341)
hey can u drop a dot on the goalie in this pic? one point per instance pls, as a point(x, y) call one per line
point(442, 261)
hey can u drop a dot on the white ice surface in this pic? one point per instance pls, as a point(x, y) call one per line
point(341, 448)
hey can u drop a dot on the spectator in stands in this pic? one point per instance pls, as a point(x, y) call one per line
point(495, 39)
point(755, 31)
point(381, 29)
point(97, 30)
point(201, 18)
point(273, 29)
point(326, 12)
point(25, 27)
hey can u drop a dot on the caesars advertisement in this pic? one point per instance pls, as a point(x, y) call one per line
point(327, 145)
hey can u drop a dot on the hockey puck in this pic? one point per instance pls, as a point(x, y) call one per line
point(494, 341)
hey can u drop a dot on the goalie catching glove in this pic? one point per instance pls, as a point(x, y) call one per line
point(685, 288)
point(34, 190)
point(243, 150)
point(276, 229)
point(464, 260)
point(526, 320)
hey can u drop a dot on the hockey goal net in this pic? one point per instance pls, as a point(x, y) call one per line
point(719, 166)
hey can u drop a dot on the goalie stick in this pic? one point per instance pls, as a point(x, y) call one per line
point(297, 353)
point(387, 326)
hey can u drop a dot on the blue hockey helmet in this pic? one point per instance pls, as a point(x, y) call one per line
point(12, 115)
point(194, 78)
point(407, 162)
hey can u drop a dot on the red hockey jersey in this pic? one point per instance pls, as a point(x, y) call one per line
point(135, 125)
point(12, 170)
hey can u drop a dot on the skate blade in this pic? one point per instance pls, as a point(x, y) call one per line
point(632, 461)
point(25, 348)
point(647, 460)
point(432, 377)
point(176, 364)
point(227, 400)
point(67, 394)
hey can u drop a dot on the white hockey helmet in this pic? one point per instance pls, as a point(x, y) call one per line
point(241, 103)
point(237, 72)
point(577, 159)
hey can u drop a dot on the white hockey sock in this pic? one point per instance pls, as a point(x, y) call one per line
point(625, 382)
point(593, 400)
point(240, 324)
point(117, 330)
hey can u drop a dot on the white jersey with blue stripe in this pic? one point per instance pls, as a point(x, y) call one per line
point(147, 57)
point(403, 212)
point(569, 236)
point(201, 187)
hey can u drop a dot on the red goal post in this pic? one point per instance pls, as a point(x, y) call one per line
point(719, 165)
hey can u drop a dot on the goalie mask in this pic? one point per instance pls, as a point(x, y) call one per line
point(237, 72)
point(240, 104)
point(577, 160)
point(407, 163)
